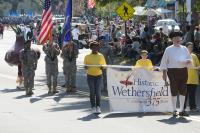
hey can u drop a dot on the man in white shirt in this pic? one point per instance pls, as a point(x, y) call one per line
point(174, 64)
point(76, 33)
point(165, 29)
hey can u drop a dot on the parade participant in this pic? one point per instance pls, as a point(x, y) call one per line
point(94, 75)
point(193, 79)
point(70, 54)
point(174, 64)
point(107, 52)
point(144, 62)
point(51, 60)
point(29, 59)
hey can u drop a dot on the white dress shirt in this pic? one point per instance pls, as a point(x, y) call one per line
point(175, 57)
point(75, 33)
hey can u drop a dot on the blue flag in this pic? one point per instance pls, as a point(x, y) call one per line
point(66, 34)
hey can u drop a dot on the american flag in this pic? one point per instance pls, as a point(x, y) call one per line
point(91, 4)
point(47, 24)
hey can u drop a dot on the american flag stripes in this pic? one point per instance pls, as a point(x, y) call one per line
point(91, 4)
point(47, 24)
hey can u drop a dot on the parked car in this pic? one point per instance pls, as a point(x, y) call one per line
point(167, 25)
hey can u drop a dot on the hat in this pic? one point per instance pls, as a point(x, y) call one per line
point(143, 51)
point(93, 43)
point(175, 34)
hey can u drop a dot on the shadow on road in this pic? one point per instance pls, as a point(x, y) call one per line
point(89, 117)
point(11, 90)
point(40, 97)
point(139, 115)
point(70, 106)
point(22, 96)
point(174, 120)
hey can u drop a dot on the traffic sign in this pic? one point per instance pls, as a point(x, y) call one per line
point(125, 11)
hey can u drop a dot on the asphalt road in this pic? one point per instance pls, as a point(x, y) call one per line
point(61, 113)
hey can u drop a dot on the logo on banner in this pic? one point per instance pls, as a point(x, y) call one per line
point(127, 82)
point(135, 87)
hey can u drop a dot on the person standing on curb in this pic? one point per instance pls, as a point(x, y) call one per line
point(94, 75)
point(174, 64)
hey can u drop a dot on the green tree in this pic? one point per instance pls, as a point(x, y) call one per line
point(105, 2)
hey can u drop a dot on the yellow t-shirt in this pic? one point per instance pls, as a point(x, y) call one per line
point(147, 64)
point(193, 77)
point(94, 59)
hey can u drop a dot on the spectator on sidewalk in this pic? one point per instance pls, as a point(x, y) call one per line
point(94, 75)
point(107, 52)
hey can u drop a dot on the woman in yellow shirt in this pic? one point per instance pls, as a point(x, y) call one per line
point(144, 62)
point(193, 79)
point(94, 75)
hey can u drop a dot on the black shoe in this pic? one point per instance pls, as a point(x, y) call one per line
point(30, 93)
point(49, 92)
point(73, 90)
point(63, 85)
point(175, 114)
point(183, 113)
point(55, 91)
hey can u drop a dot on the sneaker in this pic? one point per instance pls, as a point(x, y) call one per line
point(175, 114)
point(98, 110)
point(183, 113)
point(93, 110)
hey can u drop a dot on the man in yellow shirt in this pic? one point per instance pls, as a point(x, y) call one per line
point(94, 75)
point(193, 79)
point(144, 62)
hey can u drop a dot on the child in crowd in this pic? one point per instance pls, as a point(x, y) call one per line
point(144, 62)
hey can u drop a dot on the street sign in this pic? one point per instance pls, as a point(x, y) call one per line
point(125, 11)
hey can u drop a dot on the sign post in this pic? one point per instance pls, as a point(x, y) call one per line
point(125, 11)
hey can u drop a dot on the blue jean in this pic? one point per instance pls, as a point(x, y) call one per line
point(95, 85)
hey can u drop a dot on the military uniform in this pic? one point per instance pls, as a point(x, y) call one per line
point(69, 55)
point(29, 59)
point(51, 60)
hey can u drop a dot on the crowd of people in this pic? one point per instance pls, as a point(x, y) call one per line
point(173, 52)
